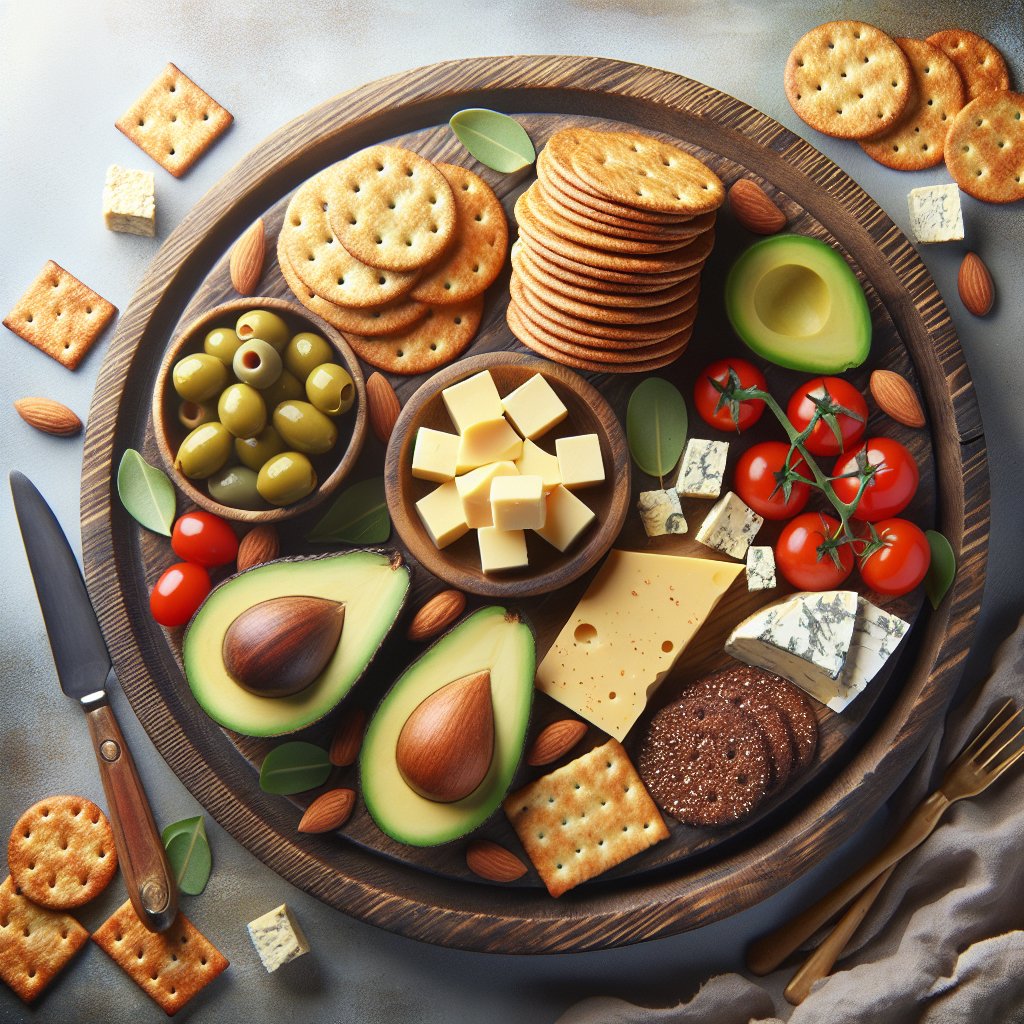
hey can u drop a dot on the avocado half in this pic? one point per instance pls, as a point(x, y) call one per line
point(372, 585)
point(491, 639)
point(795, 301)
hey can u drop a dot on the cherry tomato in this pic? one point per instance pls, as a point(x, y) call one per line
point(889, 490)
point(204, 538)
point(178, 593)
point(796, 553)
point(706, 396)
point(821, 440)
point(902, 564)
point(755, 480)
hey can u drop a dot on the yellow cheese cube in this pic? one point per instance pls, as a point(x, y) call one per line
point(566, 518)
point(536, 462)
point(442, 515)
point(579, 460)
point(517, 503)
point(129, 201)
point(488, 441)
point(534, 407)
point(501, 549)
point(474, 490)
point(472, 400)
point(435, 455)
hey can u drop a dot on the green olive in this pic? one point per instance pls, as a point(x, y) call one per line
point(192, 414)
point(305, 428)
point(204, 451)
point(254, 451)
point(329, 387)
point(305, 352)
point(286, 478)
point(199, 376)
point(284, 389)
point(257, 363)
point(235, 487)
point(223, 343)
point(241, 409)
point(262, 324)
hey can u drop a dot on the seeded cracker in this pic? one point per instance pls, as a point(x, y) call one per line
point(978, 61)
point(60, 315)
point(585, 818)
point(985, 147)
point(174, 121)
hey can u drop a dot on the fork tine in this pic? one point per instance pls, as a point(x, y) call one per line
point(996, 753)
point(987, 734)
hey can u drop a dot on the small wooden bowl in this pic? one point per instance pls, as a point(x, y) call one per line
point(331, 468)
point(459, 563)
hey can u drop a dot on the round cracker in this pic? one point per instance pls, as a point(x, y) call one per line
point(982, 67)
point(848, 79)
point(985, 147)
point(61, 852)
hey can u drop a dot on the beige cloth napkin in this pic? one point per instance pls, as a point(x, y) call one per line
point(944, 943)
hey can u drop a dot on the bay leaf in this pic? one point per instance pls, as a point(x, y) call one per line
point(188, 852)
point(294, 767)
point(358, 516)
point(495, 139)
point(941, 570)
point(146, 493)
point(656, 423)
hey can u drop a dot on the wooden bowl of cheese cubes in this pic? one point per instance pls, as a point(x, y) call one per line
point(507, 476)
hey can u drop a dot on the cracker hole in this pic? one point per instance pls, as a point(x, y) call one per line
point(172, 88)
point(478, 217)
point(741, 779)
point(153, 976)
point(140, 954)
point(31, 973)
point(206, 117)
point(170, 152)
point(141, 122)
point(28, 319)
point(931, 103)
point(26, 932)
point(433, 346)
point(174, 117)
point(818, 87)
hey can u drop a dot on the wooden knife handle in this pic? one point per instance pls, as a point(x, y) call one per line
point(140, 850)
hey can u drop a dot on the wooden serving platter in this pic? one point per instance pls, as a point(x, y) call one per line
point(698, 875)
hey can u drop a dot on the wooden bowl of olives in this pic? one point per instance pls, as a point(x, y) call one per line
point(259, 410)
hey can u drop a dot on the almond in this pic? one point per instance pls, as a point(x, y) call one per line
point(752, 207)
point(328, 811)
point(382, 406)
point(48, 416)
point(896, 398)
point(436, 615)
point(977, 292)
point(259, 545)
point(246, 262)
point(493, 862)
point(555, 741)
point(348, 738)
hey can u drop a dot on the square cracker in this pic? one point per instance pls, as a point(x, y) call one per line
point(170, 967)
point(36, 944)
point(60, 315)
point(174, 121)
point(585, 818)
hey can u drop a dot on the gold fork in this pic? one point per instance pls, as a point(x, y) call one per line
point(975, 769)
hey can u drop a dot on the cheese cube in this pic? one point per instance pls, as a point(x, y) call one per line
point(442, 515)
point(536, 462)
point(129, 201)
point(474, 490)
point(935, 213)
point(661, 513)
point(760, 568)
point(501, 549)
point(579, 460)
point(472, 400)
point(517, 502)
point(703, 468)
point(566, 518)
point(434, 455)
point(488, 441)
point(730, 526)
point(534, 407)
point(278, 938)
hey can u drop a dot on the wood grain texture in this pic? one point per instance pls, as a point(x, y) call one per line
point(696, 877)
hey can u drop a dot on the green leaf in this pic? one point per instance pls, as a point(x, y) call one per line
point(188, 851)
point(656, 426)
point(359, 516)
point(496, 140)
point(146, 493)
point(942, 570)
point(293, 768)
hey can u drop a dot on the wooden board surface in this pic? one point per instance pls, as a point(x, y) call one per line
point(698, 876)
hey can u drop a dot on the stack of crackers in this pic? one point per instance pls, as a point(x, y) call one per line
point(613, 236)
point(396, 253)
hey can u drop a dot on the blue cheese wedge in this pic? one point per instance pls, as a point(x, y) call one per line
point(730, 526)
point(278, 938)
point(935, 214)
point(703, 468)
point(760, 568)
point(876, 636)
point(661, 513)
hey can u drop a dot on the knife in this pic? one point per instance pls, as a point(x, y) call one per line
point(85, 673)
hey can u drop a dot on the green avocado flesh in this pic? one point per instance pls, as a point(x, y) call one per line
point(373, 588)
point(796, 302)
point(489, 639)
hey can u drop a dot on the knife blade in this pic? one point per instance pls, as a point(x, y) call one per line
point(85, 673)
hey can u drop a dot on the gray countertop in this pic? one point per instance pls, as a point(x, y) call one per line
point(67, 71)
